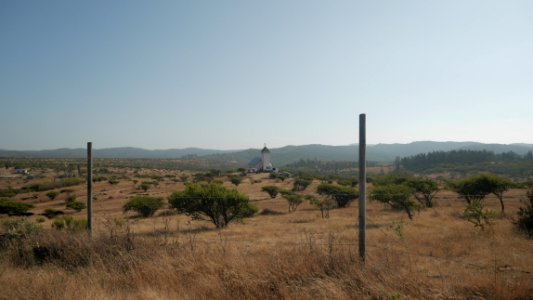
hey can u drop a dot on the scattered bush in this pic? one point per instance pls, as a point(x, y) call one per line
point(9, 192)
point(212, 202)
point(76, 205)
point(525, 215)
point(342, 195)
point(52, 195)
point(324, 204)
point(40, 187)
point(69, 223)
point(425, 190)
point(271, 190)
point(52, 213)
point(20, 227)
point(144, 205)
point(236, 180)
point(293, 199)
point(398, 196)
point(144, 186)
point(476, 214)
point(301, 184)
point(14, 208)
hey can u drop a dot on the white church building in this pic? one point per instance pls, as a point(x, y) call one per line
point(262, 164)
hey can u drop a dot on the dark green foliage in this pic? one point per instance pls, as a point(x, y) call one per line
point(20, 227)
point(280, 176)
point(9, 192)
point(144, 205)
point(398, 196)
point(293, 199)
point(341, 194)
point(271, 190)
point(52, 195)
point(14, 208)
point(324, 204)
point(212, 202)
point(40, 187)
point(76, 205)
point(498, 185)
point(473, 188)
point(236, 180)
point(476, 214)
point(144, 186)
point(301, 184)
point(52, 213)
point(393, 178)
point(425, 190)
point(525, 215)
point(470, 161)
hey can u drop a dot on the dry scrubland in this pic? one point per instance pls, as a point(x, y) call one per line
point(297, 255)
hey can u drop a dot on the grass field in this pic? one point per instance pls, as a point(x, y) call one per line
point(438, 255)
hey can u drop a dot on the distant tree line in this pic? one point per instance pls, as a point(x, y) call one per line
point(508, 163)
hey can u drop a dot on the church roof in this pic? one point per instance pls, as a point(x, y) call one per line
point(265, 149)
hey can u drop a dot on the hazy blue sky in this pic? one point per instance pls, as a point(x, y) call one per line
point(237, 74)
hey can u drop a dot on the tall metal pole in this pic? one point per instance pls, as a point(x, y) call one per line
point(362, 186)
point(89, 188)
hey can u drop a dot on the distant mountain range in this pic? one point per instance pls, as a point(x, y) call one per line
point(280, 156)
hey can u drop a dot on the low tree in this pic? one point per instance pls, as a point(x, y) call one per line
point(475, 188)
point(342, 195)
point(144, 205)
point(293, 199)
point(425, 190)
point(300, 184)
point(398, 196)
point(498, 186)
point(325, 204)
point(213, 202)
point(472, 189)
point(271, 190)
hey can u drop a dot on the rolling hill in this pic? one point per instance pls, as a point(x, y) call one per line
point(280, 156)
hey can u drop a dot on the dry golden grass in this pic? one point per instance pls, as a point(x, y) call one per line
point(438, 255)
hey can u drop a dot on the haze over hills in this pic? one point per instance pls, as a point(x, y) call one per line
point(281, 156)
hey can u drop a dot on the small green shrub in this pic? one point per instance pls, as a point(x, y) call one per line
point(52, 213)
point(525, 215)
point(301, 184)
point(476, 214)
point(9, 192)
point(293, 199)
point(20, 227)
point(76, 205)
point(342, 195)
point(212, 202)
point(14, 208)
point(236, 180)
point(69, 223)
point(271, 190)
point(144, 205)
point(52, 195)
